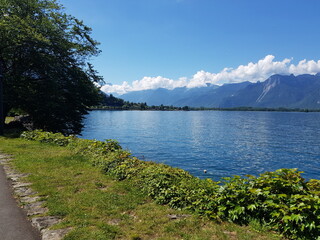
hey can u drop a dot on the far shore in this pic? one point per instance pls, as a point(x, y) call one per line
point(186, 108)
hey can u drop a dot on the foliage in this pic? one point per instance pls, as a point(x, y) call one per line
point(44, 59)
point(110, 102)
point(47, 137)
point(282, 200)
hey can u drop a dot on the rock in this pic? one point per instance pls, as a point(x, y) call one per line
point(35, 208)
point(20, 184)
point(5, 157)
point(44, 222)
point(114, 222)
point(28, 199)
point(24, 191)
point(54, 234)
point(177, 216)
point(15, 177)
point(4, 161)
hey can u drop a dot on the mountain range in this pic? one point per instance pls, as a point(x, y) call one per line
point(288, 91)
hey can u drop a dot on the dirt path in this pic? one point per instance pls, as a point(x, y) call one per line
point(14, 224)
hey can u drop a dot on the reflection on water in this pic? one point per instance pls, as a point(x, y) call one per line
point(223, 143)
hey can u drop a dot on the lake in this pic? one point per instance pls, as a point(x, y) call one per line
point(223, 143)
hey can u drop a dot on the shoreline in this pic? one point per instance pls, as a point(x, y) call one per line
point(241, 109)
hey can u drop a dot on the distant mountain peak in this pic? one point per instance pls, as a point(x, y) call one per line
point(268, 86)
point(290, 91)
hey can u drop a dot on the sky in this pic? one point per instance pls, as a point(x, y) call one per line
point(147, 44)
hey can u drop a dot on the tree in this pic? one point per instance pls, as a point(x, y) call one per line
point(111, 101)
point(44, 54)
point(2, 118)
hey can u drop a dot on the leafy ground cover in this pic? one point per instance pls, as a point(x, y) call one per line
point(98, 206)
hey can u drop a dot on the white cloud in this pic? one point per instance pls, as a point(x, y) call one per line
point(158, 82)
point(144, 84)
point(252, 72)
point(120, 89)
point(305, 66)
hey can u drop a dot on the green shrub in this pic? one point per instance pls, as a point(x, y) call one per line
point(47, 137)
point(282, 199)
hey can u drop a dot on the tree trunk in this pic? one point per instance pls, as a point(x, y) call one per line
point(2, 117)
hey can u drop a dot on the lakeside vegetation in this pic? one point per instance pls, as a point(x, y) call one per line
point(98, 206)
point(282, 200)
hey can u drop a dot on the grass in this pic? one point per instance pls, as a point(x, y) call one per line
point(98, 207)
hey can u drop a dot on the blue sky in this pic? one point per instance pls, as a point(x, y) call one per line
point(170, 43)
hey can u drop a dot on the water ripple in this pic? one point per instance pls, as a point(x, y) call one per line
point(223, 143)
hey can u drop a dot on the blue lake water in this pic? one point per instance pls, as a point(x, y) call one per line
point(224, 143)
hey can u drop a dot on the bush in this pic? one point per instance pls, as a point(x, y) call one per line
point(282, 200)
point(47, 137)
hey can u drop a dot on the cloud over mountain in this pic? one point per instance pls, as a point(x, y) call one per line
point(252, 72)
